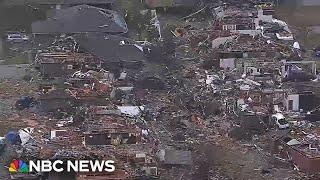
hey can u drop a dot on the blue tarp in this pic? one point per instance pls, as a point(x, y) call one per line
point(13, 137)
point(24, 102)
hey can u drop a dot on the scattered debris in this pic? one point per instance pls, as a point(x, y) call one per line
point(239, 85)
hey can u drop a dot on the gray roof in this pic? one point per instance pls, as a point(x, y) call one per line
point(52, 2)
point(81, 19)
point(109, 48)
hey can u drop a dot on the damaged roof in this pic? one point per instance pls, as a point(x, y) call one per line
point(78, 19)
point(171, 3)
point(111, 48)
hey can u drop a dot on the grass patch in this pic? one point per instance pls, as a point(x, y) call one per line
point(19, 59)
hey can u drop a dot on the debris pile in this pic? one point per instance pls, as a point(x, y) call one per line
point(234, 85)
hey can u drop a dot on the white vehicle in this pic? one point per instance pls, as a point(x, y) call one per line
point(280, 121)
point(17, 37)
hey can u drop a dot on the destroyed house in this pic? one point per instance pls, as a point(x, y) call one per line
point(55, 100)
point(299, 71)
point(236, 20)
point(93, 99)
point(254, 123)
point(302, 148)
point(27, 176)
point(230, 11)
point(59, 134)
point(79, 19)
point(259, 69)
point(111, 131)
point(257, 97)
point(81, 78)
point(261, 101)
point(104, 110)
point(63, 64)
point(301, 101)
point(229, 24)
point(91, 89)
point(111, 137)
point(245, 46)
point(65, 137)
point(172, 157)
point(118, 174)
point(245, 53)
point(268, 11)
point(170, 3)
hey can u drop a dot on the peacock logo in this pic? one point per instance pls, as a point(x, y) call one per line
point(18, 166)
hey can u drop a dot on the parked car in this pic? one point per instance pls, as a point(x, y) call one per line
point(317, 52)
point(280, 121)
point(17, 37)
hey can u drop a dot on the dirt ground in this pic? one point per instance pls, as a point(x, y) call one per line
point(219, 162)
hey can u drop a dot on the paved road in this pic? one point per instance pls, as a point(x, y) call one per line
point(12, 71)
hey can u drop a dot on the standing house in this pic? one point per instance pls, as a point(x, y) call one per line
point(79, 19)
point(304, 101)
